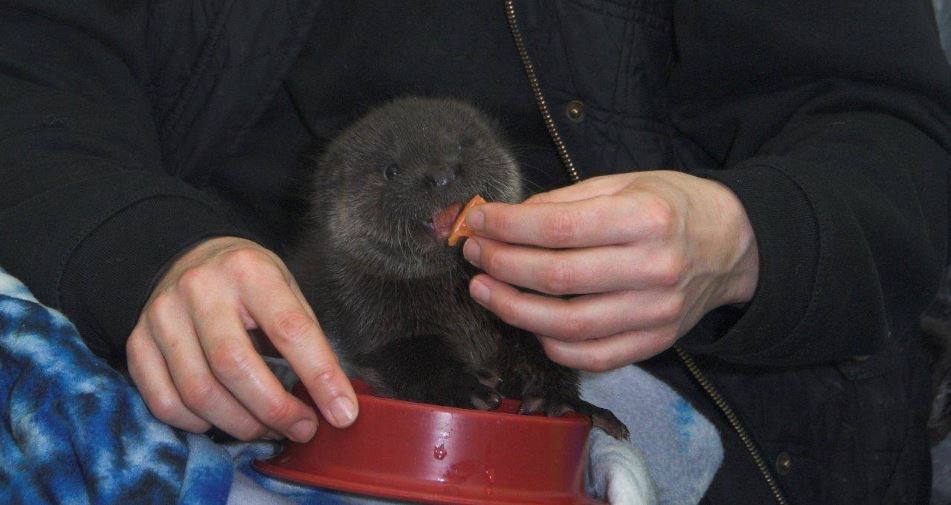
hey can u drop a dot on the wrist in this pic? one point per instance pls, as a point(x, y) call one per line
point(742, 272)
point(745, 276)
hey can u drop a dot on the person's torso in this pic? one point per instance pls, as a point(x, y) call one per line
point(601, 67)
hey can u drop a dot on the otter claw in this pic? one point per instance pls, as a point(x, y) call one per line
point(531, 405)
point(488, 378)
point(488, 402)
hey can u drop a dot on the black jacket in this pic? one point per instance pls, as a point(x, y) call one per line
point(119, 124)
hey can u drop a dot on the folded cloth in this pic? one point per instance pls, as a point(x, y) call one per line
point(618, 472)
point(76, 431)
point(680, 447)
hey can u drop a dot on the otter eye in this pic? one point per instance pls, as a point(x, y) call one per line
point(391, 171)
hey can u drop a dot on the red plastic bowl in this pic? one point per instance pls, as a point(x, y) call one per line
point(432, 454)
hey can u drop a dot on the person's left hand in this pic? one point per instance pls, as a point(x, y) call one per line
point(614, 269)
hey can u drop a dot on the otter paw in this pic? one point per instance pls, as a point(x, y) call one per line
point(474, 389)
point(607, 421)
point(554, 407)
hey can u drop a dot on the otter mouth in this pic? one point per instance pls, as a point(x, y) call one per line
point(440, 223)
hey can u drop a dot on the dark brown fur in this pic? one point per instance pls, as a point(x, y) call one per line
point(391, 295)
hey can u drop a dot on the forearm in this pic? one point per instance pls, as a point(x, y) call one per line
point(850, 216)
point(834, 135)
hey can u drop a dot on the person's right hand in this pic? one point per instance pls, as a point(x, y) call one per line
point(192, 359)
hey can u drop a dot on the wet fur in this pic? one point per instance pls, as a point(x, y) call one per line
point(393, 298)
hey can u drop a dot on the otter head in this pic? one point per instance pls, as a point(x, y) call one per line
point(398, 172)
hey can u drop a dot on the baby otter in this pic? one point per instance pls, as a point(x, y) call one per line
point(392, 296)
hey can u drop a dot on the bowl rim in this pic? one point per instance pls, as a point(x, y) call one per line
point(569, 417)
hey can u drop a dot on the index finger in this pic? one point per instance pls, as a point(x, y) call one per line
point(293, 330)
point(588, 188)
point(592, 222)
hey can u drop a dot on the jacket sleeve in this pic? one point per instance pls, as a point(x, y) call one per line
point(829, 120)
point(88, 216)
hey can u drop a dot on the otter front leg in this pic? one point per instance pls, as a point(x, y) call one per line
point(556, 404)
point(547, 387)
point(424, 369)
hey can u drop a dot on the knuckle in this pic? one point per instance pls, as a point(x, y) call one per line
point(575, 326)
point(165, 407)
point(194, 281)
point(279, 412)
point(667, 337)
point(492, 263)
point(677, 305)
point(558, 278)
point(560, 227)
point(292, 327)
point(672, 308)
point(245, 263)
point(659, 216)
point(670, 270)
point(161, 306)
point(324, 376)
point(506, 310)
point(162, 313)
point(135, 347)
point(229, 361)
point(199, 393)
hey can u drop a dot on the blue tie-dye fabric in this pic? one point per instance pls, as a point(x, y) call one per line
point(74, 431)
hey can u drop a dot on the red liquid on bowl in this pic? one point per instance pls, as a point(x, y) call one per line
point(443, 455)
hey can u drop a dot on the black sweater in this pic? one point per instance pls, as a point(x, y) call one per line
point(128, 133)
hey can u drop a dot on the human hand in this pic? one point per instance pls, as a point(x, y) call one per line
point(614, 269)
point(192, 359)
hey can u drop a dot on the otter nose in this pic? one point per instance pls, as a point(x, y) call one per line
point(442, 177)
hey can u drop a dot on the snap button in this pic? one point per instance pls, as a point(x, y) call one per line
point(783, 463)
point(575, 111)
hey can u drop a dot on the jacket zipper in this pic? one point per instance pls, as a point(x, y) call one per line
point(734, 421)
point(575, 177)
point(539, 97)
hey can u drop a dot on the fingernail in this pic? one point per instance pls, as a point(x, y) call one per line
point(303, 430)
point(472, 251)
point(343, 410)
point(475, 220)
point(479, 291)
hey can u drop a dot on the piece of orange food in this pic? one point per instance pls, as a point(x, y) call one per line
point(459, 228)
